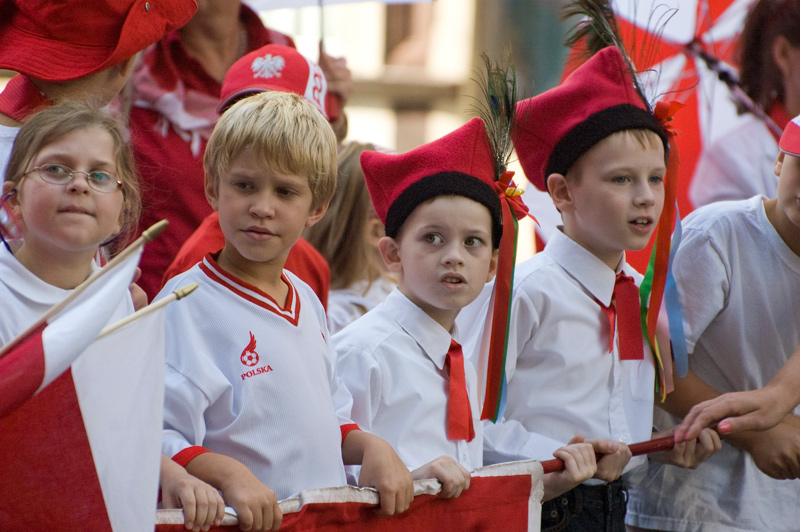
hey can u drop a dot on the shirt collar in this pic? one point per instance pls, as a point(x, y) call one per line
point(27, 285)
point(429, 335)
point(582, 265)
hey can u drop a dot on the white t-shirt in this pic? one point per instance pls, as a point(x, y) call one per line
point(253, 380)
point(739, 285)
point(562, 380)
point(392, 361)
point(737, 166)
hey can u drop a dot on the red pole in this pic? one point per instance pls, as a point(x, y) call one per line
point(645, 447)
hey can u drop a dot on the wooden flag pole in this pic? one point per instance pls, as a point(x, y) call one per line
point(178, 293)
point(148, 235)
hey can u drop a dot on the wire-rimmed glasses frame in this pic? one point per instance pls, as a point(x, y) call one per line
point(59, 174)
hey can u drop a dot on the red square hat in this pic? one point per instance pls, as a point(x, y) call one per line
point(459, 164)
point(60, 40)
point(274, 68)
point(790, 140)
point(597, 99)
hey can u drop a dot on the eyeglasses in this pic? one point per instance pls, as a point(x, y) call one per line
point(58, 174)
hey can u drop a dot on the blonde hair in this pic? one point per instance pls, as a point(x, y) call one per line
point(56, 121)
point(285, 133)
point(341, 235)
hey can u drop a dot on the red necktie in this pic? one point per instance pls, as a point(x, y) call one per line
point(629, 319)
point(459, 413)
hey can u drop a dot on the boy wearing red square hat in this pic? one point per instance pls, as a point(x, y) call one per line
point(75, 50)
point(252, 398)
point(408, 376)
point(577, 361)
point(738, 276)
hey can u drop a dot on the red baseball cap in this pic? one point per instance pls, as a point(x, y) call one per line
point(460, 164)
point(790, 140)
point(274, 68)
point(60, 40)
point(597, 99)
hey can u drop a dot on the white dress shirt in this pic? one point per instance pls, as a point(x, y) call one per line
point(392, 361)
point(562, 380)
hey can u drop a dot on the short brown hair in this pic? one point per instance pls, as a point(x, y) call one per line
point(285, 133)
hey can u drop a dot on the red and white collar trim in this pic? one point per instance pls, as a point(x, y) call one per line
point(290, 311)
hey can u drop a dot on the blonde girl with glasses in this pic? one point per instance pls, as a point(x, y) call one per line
point(71, 189)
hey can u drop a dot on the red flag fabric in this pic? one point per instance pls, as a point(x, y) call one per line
point(504, 497)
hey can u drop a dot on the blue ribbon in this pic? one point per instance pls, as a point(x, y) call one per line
point(680, 354)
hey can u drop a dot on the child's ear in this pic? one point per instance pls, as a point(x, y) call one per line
point(10, 195)
point(782, 55)
point(390, 253)
point(125, 68)
point(778, 166)
point(559, 190)
point(316, 214)
point(493, 265)
point(211, 188)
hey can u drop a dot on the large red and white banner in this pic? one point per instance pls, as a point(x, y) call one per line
point(505, 497)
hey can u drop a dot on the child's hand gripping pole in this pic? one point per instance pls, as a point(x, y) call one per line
point(645, 447)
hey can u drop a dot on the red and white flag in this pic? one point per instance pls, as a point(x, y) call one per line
point(32, 361)
point(502, 498)
point(83, 452)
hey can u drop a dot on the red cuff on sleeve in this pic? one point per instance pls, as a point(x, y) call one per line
point(347, 428)
point(188, 454)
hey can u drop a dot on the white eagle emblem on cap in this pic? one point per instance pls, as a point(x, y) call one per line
point(268, 66)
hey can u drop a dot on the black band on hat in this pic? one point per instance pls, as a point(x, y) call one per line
point(445, 184)
point(597, 127)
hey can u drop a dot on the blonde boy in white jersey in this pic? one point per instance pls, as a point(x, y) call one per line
point(252, 398)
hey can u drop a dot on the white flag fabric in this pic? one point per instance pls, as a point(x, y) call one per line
point(119, 381)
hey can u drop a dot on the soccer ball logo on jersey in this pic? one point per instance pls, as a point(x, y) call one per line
point(250, 358)
point(249, 355)
point(269, 66)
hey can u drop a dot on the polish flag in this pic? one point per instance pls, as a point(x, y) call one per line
point(80, 429)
